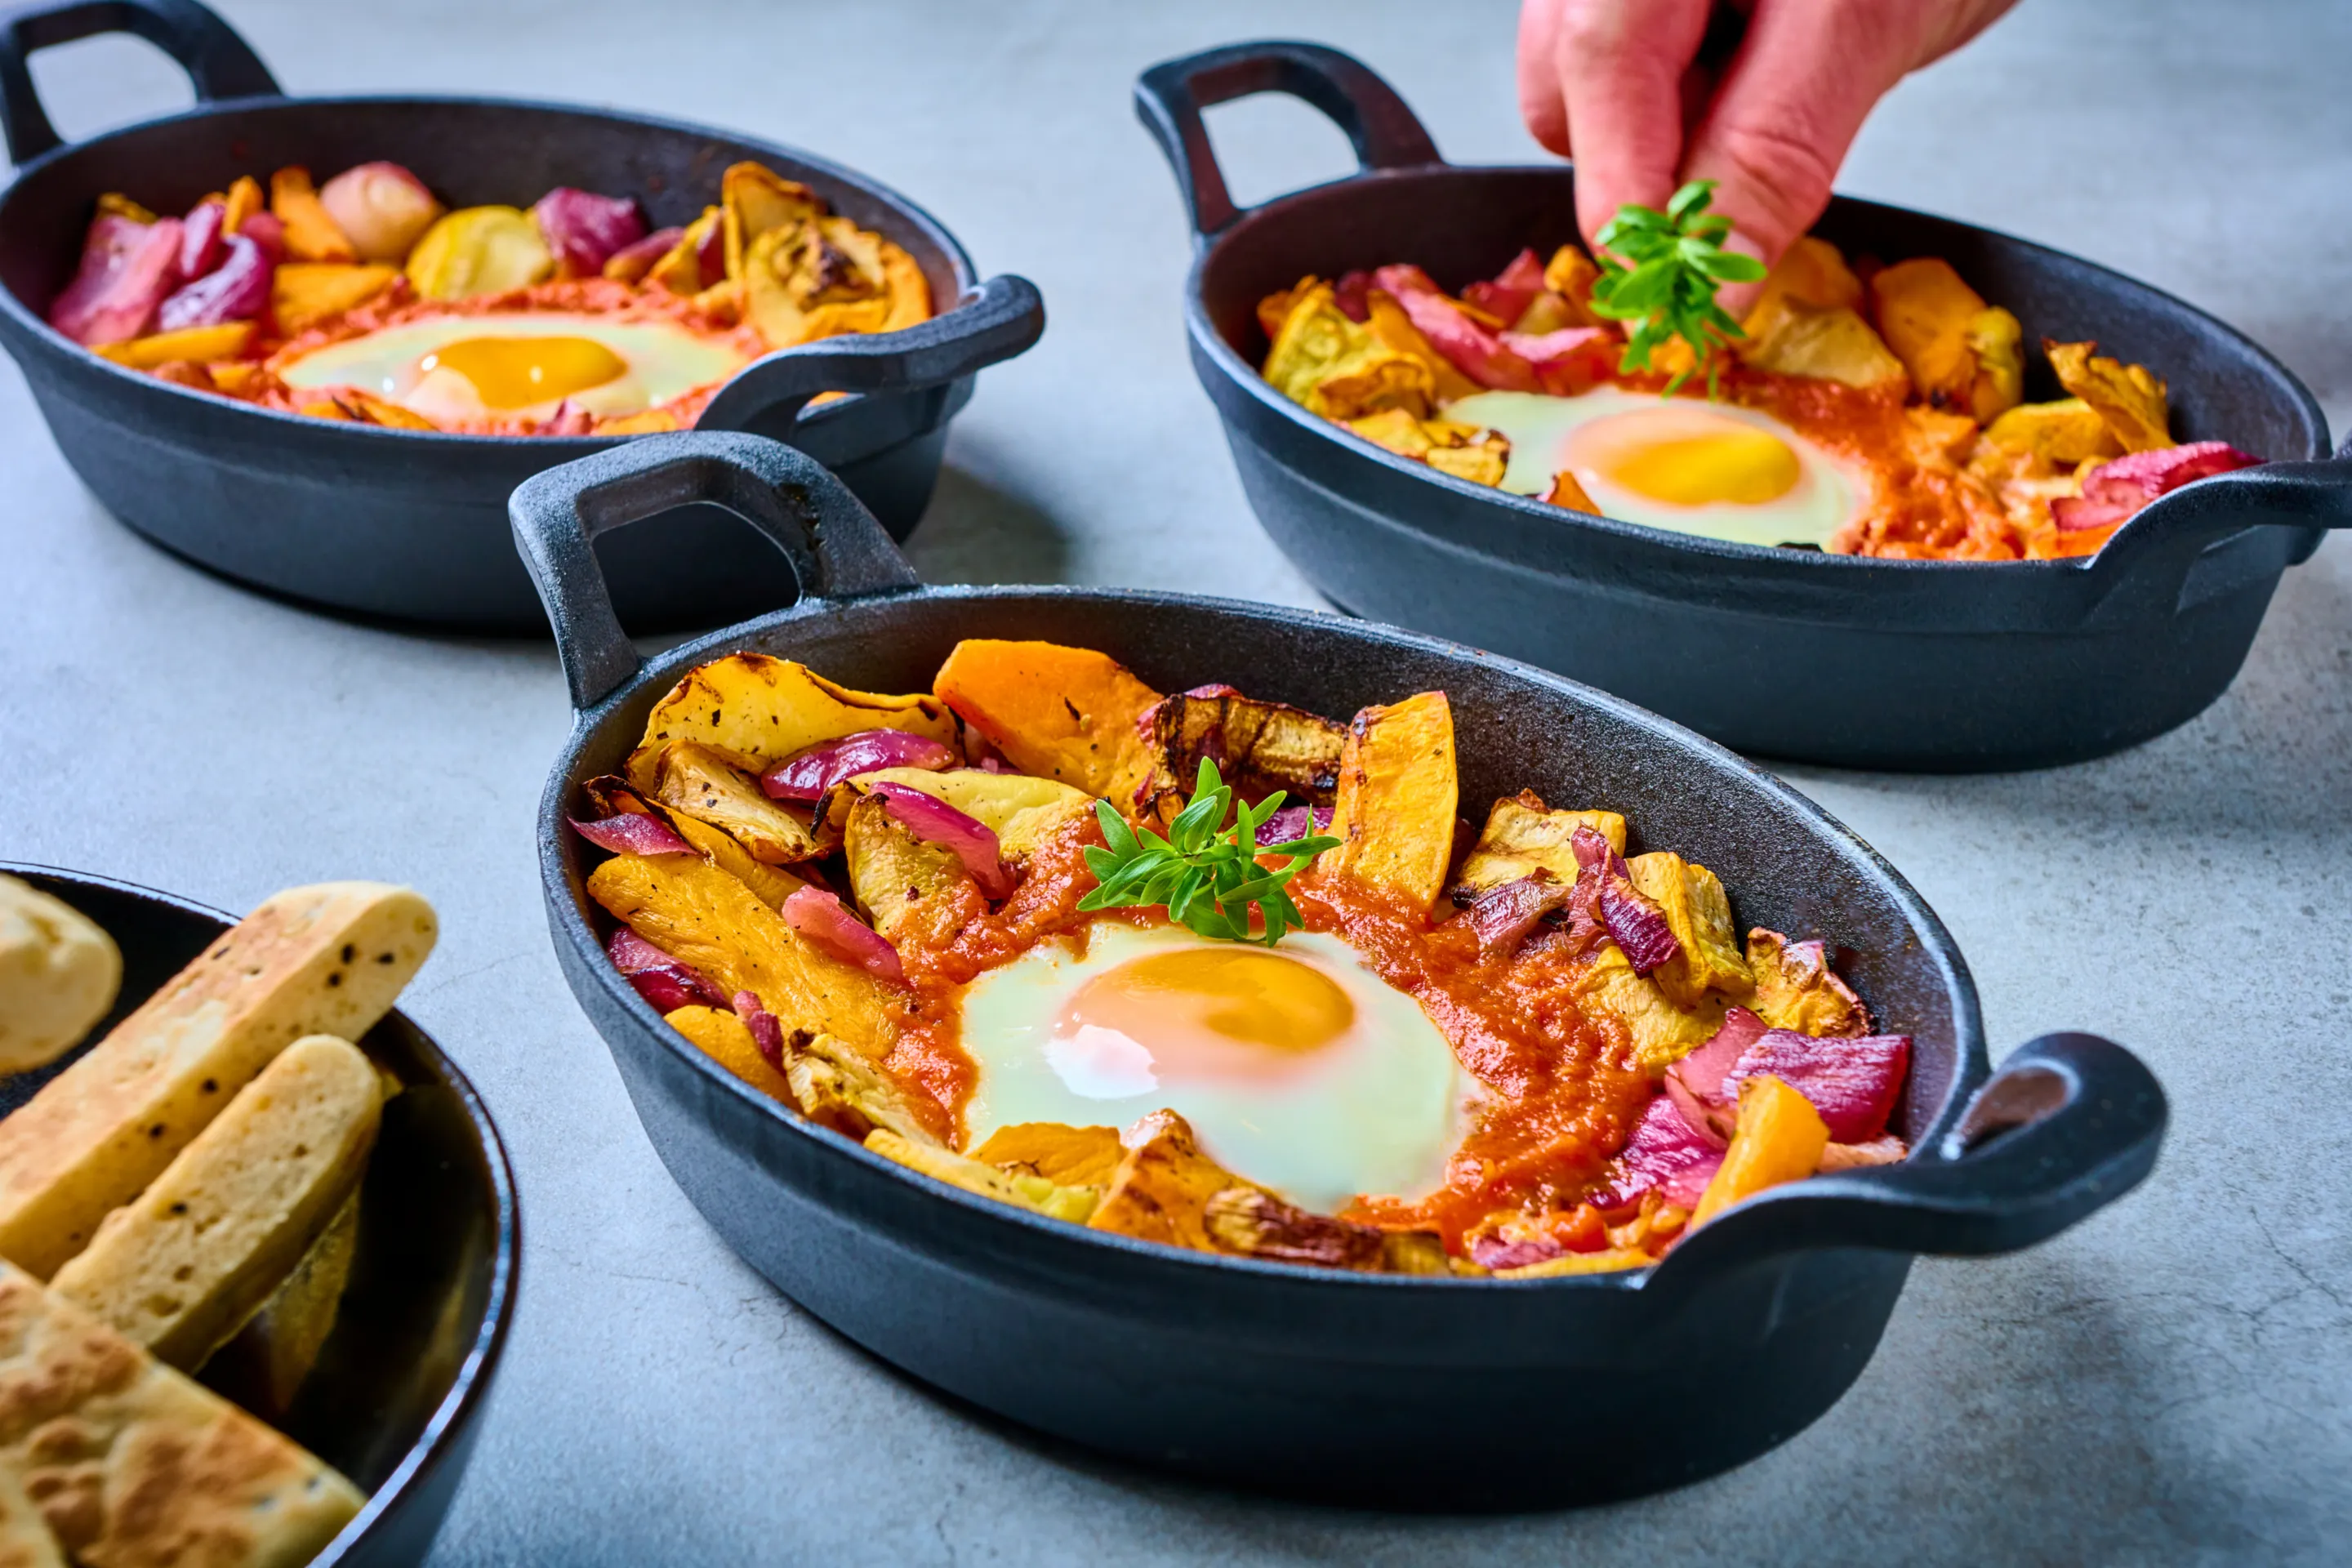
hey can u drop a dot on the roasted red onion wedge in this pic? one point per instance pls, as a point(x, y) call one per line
point(934, 821)
point(1512, 291)
point(767, 1034)
point(1635, 921)
point(1353, 294)
point(585, 229)
point(1712, 1123)
point(1852, 1081)
point(633, 261)
point(806, 775)
point(236, 290)
point(1664, 1154)
point(1701, 1071)
point(127, 268)
point(1504, 915)
point(830, 928)
point(1476, 351)
point(633, 833)
point(2115, 492)
point(1292, 822)
point(202, 239)
point(659, 978)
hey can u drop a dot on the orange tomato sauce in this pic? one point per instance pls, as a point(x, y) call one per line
point(1559, 1091)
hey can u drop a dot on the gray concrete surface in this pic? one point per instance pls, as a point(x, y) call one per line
point(2169, 1383)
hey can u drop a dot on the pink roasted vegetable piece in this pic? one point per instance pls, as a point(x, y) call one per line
point(1635, 921)
point(1701, 1071)
point(1292, 822)
point(585, 229)
point(1854, 1082)
point(806, 775)
point(203, 240)
point(1714, 1123)
point(659, 978)
point(934, 821)
point(127, 268)
point(1503, 917)
point(1353, 294)
point(633, 261)
point(830, 928)
point(1570, 362)
point(1664, 1154)
point(1476, 351)
point(382, 208)
point(1515, 288)
point(236, 290)
point(268, 231)
point(633, 834)
point(767, 1035)
point(2115, 492)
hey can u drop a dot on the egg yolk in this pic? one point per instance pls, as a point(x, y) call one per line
point(1690, 458)
point(1226, 1012)
point(515, 372)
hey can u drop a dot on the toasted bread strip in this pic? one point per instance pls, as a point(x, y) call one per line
point(58, 975)
point(24, 1538)
point(180, 1269)
point(320, 960)
point(130, 1462)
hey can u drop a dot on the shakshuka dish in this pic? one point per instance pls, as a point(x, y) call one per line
point(365, 298)
point(1864, 409)
point(1217, 972)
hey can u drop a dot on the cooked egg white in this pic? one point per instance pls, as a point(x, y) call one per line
point(520, 366)
point(1298, 1067)
point(1711, 469)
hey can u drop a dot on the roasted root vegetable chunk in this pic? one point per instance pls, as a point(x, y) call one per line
point(1023, 812)
point(706, 920)
point(475, 250)
point(1339, 369)
point(311, 232)
point(837, 1086)
point(1033, 1193)
point(754, 712)
point(1254, 1223)
point(1393, 809)
point(1258, 747)
point(304, 293)
point(726, 1039)
point(1067, 713)
point(693, 781)
point(1797, 989)
point(1830, 344)
point(1660, 1032)
point(2060, 434)
point(1698, 911)
point(1779, 1138)
point(1066, 1155)
point(2129, 399)
point(1523, 836)
point(893, 873)
point(197, 344)
point(1161, 1189)
point(769, 885)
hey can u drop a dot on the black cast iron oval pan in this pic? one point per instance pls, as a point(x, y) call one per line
point(1932, 665)
point(396, 1399)
point(409, 524)
point(1439, 1394)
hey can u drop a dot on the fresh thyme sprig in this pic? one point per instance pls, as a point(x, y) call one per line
point(1205, 872)
point(1661, 269)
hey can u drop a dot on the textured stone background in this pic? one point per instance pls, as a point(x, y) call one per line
point(2169, 1383)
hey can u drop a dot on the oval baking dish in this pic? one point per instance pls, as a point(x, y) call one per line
point(1929, 664)
point(1269, 1375)
point(412, 524)
point(396, 1399)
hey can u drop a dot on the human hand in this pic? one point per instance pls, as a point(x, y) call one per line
point(1646, 94)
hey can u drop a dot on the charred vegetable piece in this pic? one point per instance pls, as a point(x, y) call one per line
point(1258, 747)
point(1698, 912)
point(2114, 493)
point(771, 886)
point(1340, 370)
point(1523, 836)
point(1021, 811)
point(1031, 1193)
point(1634, 920)
point(697, 782)
point(754, 712)
point(838, 1087)
point(1503, 918)
point(1393, 809)
point(1065, 1155)
point(2129, 397)
point(934, 821)
point(1256, 1224)
point(1797, 989)
point(382, 208)
point(1660, 1032)
point(806, 776)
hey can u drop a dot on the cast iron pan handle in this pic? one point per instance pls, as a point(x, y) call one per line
point(217, 61)
point(1168, 99)
point(2151, 555)
point(2068, 1124)
point(836, 549)
point(1005, 318)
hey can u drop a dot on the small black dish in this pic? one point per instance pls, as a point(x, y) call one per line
point(1939, 666)
point(396, 1399)
point(1387, 1391)
point(406, 524)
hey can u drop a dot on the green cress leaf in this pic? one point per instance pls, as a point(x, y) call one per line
point(1661, 269)
point(1207, 875)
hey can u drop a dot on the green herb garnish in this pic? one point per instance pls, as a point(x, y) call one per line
point(1662, 270)
point(1205, 872)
